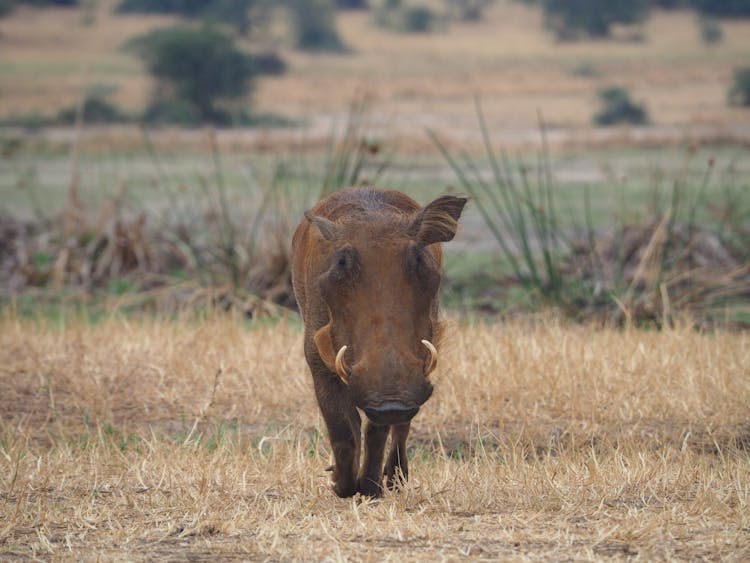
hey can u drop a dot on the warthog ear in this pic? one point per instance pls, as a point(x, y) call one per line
point(437, 221)
point(326, 227)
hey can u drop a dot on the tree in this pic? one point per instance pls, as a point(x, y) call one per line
point(6, 6)
point(352, 4)
point(571, 18)
point(315, 25)
point(723, 8)
point(739, 92)
point(619, 108)
point(195, 67)
point(232, 12)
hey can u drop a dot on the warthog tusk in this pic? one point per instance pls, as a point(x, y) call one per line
point(433, 356)
point(341, 368)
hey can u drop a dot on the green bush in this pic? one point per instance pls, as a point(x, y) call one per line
point(723, 8)
point(269, 63)
point(468, 10)
point(739, 93)
point(315, 25)
point(710, 30)
point(418, 19)
point(95, 109)
point(352, 4)
point(619, 108)
point(570, 19)
point(412, 18)
point(177, 112)
point(233, 12)
point(6, 6)
point(195, 69)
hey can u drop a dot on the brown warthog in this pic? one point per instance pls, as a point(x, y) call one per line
point(366, 268)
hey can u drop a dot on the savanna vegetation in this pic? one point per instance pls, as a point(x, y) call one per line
point(540, 442)
point(592, 391)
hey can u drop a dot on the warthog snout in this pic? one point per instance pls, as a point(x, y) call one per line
point(391, 412)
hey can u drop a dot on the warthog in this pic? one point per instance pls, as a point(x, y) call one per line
point(366, 268)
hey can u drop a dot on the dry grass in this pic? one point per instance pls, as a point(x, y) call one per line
point(131, 439)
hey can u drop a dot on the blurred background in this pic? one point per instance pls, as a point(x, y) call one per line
point(157, 154)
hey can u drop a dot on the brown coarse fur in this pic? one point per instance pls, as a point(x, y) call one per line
point(366, 270)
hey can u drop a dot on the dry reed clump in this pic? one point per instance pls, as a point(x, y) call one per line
point(152, 254)
point(665, 269)
point(197, 439)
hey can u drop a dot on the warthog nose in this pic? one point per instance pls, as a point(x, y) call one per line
point(391, 412)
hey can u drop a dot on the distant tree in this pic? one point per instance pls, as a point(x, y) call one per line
point(190, 8)
point(418, 19)
point(195, 69)
point(739, 93)
point(670, 4)
point(315, 25)
point(6, 6)
point(42, 3)
point(619, 108)
point(723, 8)
point(710, 30)
point(353, 4)
point(468, 10)
point(410, 17)
point(593, 18)
point(233, 12)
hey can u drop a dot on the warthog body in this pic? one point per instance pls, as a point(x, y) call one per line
point(366, 268)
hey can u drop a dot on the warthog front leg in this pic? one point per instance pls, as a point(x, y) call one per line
point(396, 467)
point(343, 432)
point(370, 475)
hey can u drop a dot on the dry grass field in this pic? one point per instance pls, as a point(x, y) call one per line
point(416, 80)
point(140, 438)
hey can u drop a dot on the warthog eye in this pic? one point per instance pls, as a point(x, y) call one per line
point(421, 265)
point(345, 266)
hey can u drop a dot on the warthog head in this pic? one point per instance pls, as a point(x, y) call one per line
point(380, 286)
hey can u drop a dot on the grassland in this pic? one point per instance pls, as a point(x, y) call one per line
point(130, 437)
point(416, 80)
point(145, 438)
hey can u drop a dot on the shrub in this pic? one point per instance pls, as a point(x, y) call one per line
point(269, 63)
point(96, 109)
point(723, 8)
point(739, 93)
point(6, 6)
point(42, 3)
point(352, 4)
point(397, 16)
point(195, 67)
point(619, 108)
point(315, 25)
point(468, 10)
point(233, 12)
point(710, 30)
point(176, 112)
point(570, 19)
point(418, 19)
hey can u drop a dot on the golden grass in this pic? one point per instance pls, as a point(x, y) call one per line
point(119, 440)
